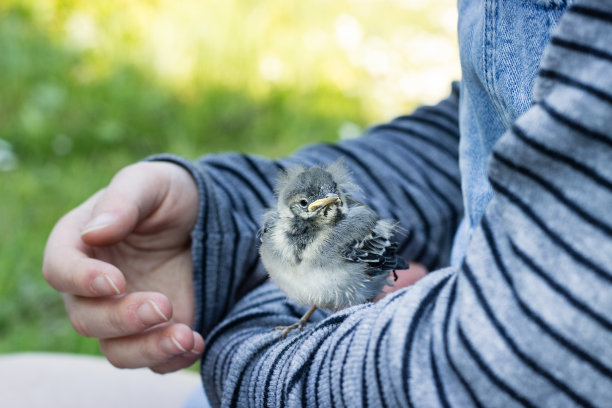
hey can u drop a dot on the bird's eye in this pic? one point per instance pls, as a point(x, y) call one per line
point(303, 202)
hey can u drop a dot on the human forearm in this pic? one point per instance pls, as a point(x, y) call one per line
point(388, 163)
point(523, 322)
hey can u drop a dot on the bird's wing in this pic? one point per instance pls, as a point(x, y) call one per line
point(377, 250)
point(270, 218)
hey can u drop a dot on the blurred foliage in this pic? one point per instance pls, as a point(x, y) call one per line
point(89, 87)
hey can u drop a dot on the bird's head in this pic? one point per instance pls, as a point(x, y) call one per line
point(313, 196)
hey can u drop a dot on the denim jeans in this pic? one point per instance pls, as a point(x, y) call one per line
point(501, 44)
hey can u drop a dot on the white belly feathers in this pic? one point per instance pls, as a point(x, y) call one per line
point(325, 283)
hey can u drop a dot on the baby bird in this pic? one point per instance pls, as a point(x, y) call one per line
point(323, 248)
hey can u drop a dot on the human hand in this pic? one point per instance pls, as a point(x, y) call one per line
point(405, 277)
point(122, 261)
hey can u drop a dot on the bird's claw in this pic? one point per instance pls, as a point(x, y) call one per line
point(287, 329)
point(299, 325)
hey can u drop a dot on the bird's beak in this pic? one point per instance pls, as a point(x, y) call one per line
point(324, 202)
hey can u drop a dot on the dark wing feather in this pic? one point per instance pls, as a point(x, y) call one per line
point(378, 251)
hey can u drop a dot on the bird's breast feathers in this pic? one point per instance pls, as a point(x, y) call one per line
point(308, 279)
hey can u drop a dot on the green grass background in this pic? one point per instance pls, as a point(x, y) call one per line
point(89, 87)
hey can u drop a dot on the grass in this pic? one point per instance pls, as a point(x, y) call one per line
point(89, 87)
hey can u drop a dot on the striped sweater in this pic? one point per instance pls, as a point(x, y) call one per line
point(525, 320)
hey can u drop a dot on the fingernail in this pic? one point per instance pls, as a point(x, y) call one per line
point(101, 221)
point(150, 313)
point(104, 285)
point(171, 345)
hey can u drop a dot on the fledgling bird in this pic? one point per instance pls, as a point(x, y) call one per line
point(323, 248)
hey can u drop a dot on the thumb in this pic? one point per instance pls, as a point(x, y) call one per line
point(133, 194)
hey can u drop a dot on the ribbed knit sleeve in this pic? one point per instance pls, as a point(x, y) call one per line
point(524, 321)
point(407, 171)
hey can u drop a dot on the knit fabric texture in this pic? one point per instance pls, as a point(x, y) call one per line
point(524, 320)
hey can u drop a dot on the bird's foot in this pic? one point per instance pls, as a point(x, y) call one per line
point(287, 329)
point(299, 325)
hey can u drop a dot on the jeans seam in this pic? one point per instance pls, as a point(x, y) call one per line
point(491, 14)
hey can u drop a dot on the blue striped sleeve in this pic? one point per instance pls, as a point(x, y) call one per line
point(391, 163)
point(524, 321)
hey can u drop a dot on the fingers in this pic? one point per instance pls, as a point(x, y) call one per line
point(405, 277)
point(148, 209)
point(183, 360)
point(134, 193)
point(408, 277)
point(165, 348)
point(135, 331)
point(117, 316)
point(67, 265)
point(178, 363)
point(85, 277)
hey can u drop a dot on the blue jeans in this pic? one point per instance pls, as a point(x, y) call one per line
point(501, 44)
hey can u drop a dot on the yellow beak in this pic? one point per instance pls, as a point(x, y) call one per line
point(324, 202)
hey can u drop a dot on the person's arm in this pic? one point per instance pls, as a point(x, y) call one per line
point(132, 277)
point(410, 163)
point(525, 321)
